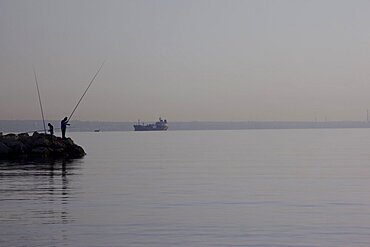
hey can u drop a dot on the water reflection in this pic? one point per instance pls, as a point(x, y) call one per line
point(37, 167)
point(42, 188)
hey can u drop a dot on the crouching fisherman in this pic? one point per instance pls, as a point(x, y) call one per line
point(63, 126)
point(51, 129)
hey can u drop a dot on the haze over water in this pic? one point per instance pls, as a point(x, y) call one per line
point(194, 188)
point(252, 63)
point(186, 60)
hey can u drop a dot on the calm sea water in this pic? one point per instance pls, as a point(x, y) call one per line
point(194, 188)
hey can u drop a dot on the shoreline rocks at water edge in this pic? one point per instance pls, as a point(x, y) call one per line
point(38, 145)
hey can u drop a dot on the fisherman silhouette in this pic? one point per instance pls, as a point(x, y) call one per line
point(63, 126)
point(51, 129)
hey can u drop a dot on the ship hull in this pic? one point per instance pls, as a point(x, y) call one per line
point(149, 128)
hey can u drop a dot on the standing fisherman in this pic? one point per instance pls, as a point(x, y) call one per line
point(63, 126)
point(64, 122)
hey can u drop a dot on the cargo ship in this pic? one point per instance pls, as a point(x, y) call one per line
point(160, 125)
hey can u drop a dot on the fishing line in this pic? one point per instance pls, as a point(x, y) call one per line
point(38, 92)
point(92, 80)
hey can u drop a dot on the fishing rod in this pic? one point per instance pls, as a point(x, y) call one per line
point(92, 80)
point(38, 92)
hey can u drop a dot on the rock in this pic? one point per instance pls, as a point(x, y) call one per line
point(58, 145)
point(17, 147)
point(4, 150)
point(75, 151)
point(10, 136)
point(38, 145)
point(23, 136)
point(58, 152)
point(40, 141)
point(40, 152)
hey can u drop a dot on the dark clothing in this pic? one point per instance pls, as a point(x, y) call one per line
point(64, 133)
point(51, 129)
point(63, 126)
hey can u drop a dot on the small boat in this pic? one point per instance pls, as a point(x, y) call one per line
point(158, 126)
point(97, 130)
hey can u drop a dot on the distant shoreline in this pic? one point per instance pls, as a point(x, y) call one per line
point(19, 126)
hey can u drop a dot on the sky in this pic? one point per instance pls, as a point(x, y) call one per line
point(186, 60)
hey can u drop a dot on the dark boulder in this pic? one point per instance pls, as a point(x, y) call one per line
point(10, 137)
point(4, 150)
point(40, 152)
point(38, 145)
point(16, 147)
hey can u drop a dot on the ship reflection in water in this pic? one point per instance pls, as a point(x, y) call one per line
point(160, 125)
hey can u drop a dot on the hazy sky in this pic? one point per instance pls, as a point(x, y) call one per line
point(186, 60)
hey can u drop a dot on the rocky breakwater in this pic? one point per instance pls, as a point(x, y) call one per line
point(38, 145)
